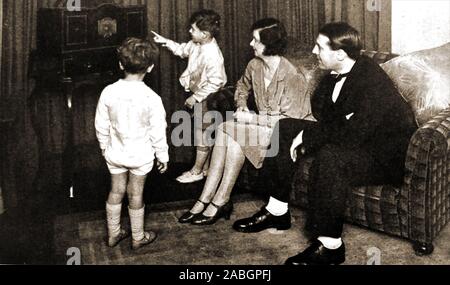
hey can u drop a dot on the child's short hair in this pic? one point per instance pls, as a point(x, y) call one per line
point(206, 20)
point(137, 55)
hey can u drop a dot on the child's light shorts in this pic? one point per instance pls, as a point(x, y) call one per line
point(138, 171)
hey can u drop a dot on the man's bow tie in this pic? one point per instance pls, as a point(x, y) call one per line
point(338, 77)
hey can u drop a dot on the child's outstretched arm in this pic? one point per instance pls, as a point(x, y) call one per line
point(102, 124)
point(181, 50)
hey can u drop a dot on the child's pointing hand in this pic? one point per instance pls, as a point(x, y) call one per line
point(159, 39)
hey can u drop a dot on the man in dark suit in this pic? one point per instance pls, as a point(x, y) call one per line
point(361, 137)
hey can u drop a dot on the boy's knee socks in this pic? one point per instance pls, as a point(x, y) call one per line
point(113, 219)
point(137, 223)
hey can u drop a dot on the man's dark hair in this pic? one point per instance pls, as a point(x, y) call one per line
point(343, 36)
point(137, 55)
point(273, 35)
point(206, 20)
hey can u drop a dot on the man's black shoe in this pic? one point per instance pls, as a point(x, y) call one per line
point(263, 220)
point(317, 254)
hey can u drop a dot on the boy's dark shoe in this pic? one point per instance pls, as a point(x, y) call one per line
point(113, 241)
point(149, 237)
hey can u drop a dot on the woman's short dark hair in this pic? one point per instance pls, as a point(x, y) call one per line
point(206, 20)
point(343, 36)
point(273, 35)
point(137, 55)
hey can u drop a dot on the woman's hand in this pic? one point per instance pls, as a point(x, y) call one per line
point(190, 102)
point(159, 39)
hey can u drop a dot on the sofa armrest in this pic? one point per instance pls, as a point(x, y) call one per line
point(425, 194)
point(434, 135)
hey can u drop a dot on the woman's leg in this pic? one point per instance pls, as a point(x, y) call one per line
point(216, 168)
point(206, 165)
point(234, 161)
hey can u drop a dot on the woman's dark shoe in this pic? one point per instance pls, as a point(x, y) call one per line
point(189, 216)
point(222, 212)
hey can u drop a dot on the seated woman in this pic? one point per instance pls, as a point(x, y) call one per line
point(280, 92)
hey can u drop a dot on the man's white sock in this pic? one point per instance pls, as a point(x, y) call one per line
point(330, 243)
point(276, 207)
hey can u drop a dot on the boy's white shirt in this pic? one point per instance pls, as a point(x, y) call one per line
point(205, 73)
point(130, 123)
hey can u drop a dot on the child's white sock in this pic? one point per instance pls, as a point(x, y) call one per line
point(330, 243)
point(276, 207)
point(113, 219)
point(137, 223)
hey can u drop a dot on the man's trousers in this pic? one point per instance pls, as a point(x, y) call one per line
point(334, 171)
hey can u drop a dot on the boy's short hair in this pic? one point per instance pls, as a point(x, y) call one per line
point(273, 35)
point(343, 36)
point(137, 55)
point(206, 20)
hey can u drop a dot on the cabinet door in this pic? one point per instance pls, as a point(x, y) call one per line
point(136, 23)
point(76, 31)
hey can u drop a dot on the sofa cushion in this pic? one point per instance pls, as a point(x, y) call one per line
point(423, 79)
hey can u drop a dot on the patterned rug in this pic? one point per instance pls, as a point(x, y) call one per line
point(219, 244)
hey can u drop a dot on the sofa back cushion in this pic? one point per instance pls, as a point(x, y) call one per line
point(307, 64)
point(423, 79)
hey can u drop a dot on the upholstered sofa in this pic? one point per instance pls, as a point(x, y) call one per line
point(420, 208)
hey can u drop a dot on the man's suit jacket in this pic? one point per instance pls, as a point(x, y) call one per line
point(369, 115)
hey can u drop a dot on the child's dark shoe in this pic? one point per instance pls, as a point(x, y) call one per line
point(149, 237)
point(113, 241)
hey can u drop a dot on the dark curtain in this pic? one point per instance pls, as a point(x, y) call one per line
point(169, 18)
point(18, 39)
point(21, 162)
point(371, 17)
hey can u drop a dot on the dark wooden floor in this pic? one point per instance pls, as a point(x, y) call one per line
point(26, 232)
